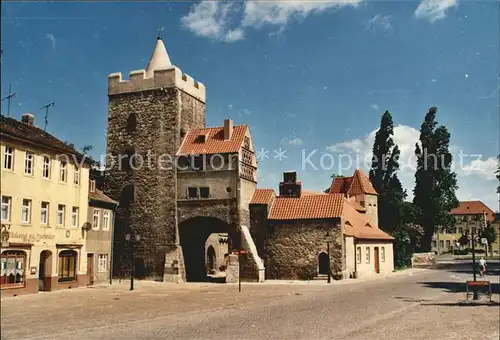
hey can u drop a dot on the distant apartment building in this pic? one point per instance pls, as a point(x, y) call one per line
point(99, 244)
point(471, 216)
point(44, 203)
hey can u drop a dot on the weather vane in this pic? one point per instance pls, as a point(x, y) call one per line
point(160, 29)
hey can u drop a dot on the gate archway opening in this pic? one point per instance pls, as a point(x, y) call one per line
point(201, 255)
point(211, 259)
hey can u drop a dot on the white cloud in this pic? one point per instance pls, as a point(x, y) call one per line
point(475, 176)
point(260, 13)
point(244, 112)
point(212, 19)
point(374, 106)
point(52, 39)
point(292, 141)
point(379, 22)
point(433, 10)
point(404, 136)
point(485, 169)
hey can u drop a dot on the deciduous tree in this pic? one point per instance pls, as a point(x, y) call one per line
point(384, 178)
point(435, 183)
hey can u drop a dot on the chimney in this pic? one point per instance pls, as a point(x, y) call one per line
point(290, 177)
point(28, 119)
point(228, 129)
point(290, 187)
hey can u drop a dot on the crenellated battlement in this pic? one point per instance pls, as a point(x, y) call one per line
point(168, 77)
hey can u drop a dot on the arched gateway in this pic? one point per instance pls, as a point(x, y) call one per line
point(201, 246)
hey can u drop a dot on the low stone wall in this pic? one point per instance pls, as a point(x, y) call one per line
point(423, 260)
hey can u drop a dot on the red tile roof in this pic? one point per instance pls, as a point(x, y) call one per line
point(262, 196)
point(98, 195)
point(214, 141)
point(473, 208)
point(357, 206)
point(311, 193)
point(307, 207)
point(11, 128)
point(358, 225)
point(357, 184)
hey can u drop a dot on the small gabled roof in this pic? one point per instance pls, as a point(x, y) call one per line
point(357, 184)
point(262, 196)
point(214, 142)
point(98, 195)
point(359, 226)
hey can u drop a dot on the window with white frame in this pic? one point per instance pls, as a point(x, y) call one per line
point(105, 220)
point(358, 254)
point(61, 212)
point(44, 213)
point(8, 160)
point(382, 254)
point(29, 159)
point(367, 254)
point(96, 219)
point(74, 217)
point(46, 167)
point(76, 178)
point(6, 205)
point(102, 266)
point(63, 171)
point(26, 211)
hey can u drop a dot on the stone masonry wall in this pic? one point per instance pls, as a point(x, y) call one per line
point(292, 248)
point(258, 227)
point(148, 124)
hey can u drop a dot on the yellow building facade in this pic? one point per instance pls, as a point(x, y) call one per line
point(471, 217)
point(44, 203)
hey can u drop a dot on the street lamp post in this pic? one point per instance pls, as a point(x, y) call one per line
point(131, 240)
point(473, 237)
point(328, 238)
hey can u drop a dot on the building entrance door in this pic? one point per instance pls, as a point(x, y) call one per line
point(377, 260)
point(90, 268)
point(45, 271)
point(41, 274)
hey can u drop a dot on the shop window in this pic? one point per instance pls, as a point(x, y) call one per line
point(67, 265)
point(13, 265)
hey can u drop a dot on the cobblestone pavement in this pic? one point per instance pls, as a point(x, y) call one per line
point(414, 304)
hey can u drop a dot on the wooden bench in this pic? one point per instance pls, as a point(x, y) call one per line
point(477, 284)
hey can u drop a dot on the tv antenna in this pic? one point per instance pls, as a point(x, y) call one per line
point(9, 97)
point(46, 107)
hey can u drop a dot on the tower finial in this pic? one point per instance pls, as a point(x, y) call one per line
point(160, 29)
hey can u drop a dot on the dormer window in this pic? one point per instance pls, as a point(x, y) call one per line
point(92, 186)
point(201, 139)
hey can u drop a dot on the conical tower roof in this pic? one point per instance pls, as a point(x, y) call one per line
point(159, 60)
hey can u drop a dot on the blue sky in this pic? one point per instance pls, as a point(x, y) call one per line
point(304, 76)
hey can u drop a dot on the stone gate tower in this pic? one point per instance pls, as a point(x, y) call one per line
point(148, 116)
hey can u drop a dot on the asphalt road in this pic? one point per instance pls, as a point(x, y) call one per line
point(426, 304)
